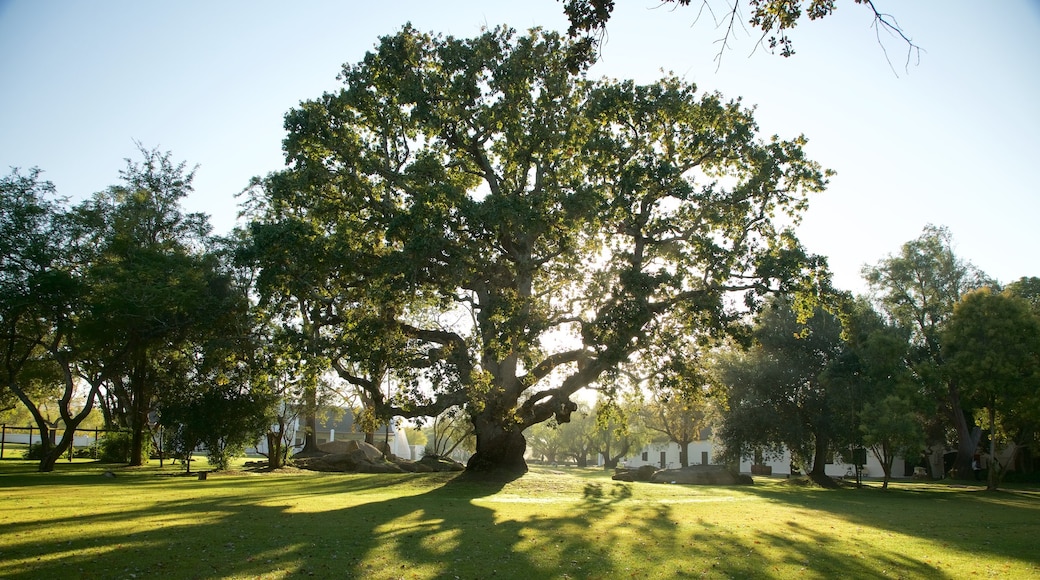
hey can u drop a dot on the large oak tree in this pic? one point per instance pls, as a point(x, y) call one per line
point(474, 221)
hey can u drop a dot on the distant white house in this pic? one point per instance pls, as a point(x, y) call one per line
point(342, 429)
point(666, 456)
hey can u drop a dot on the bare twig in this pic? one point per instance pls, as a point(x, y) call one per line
point(887, 22)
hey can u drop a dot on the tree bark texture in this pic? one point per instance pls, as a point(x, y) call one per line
point(499, 448)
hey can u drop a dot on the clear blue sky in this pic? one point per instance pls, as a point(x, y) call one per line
point(953, 140)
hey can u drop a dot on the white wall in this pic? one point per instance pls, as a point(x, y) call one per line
point(780, 465)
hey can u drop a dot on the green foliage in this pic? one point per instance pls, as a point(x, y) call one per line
point(778, 394)
point(165, 312)
point(459, 200)
point(34, 452)
point(884, 397)
point(115, 447)
point(619, 433)
point(992, 346)
point(41, 293)
point(1028, 289)
point(223, 419)
point(918, 288)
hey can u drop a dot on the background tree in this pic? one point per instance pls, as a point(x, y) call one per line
point(579, 435)
point(225, 419)
point(671, 371)
point(992, 345)
point(448, 432)
point(1022, 422)
point(1028, 289)
point(618, 430)
point(471, 197)
point(285, 377)
point(41, 287)
point(677, 415)
point(884, 398)
point(546, 442)
point(776, 395)
point(155, 289)
point(918, 289)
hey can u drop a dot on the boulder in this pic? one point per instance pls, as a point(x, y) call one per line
point(436, 463)
point(359, 457)
point(641, 473)
point(370, 452)
point(337, 446)
point(329, 462)
point(380, 467)
point(699, 475)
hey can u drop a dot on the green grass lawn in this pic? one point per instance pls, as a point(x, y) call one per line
point(150, 523)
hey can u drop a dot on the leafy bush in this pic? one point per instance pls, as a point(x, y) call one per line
point(224, 421)
point(84, 452)
point(34, 452)
point(114, 447)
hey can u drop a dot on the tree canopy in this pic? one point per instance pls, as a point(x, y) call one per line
point(484, 227)
point(918, 288)
point(992, 345)
point(778, 395)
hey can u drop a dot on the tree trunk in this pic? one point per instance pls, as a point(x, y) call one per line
point(49, 459)
point(500, 448)
point(48, 453)
point(56, 451)
point(993, 467)
point(138, 425)
point(274, 450)
point(310, 419)
point(684, 453)
point(819, 469)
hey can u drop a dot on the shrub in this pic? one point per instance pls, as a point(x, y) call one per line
point(114, 447)
point(34, 452)
point(84, 452)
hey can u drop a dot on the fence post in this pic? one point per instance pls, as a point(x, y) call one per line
point(3, 439)
point(30, 435)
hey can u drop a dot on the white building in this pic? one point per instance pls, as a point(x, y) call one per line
point(666, 456)
point(342, 429)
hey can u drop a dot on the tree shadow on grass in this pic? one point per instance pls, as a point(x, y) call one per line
point(1003, 525)
point(415, 527)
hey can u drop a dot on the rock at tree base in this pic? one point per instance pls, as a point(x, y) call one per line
point(436, 463)
point(692, 475)
point(360, 457)
point(700, 475)
point(642, 473)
